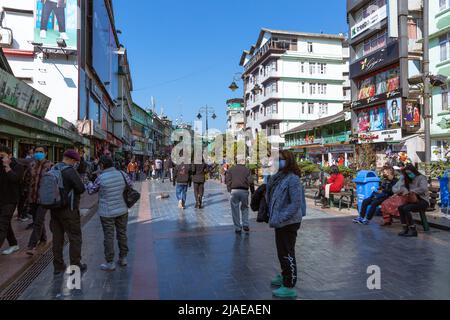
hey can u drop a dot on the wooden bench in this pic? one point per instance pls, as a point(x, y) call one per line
point(346, 196)
point(434, 195)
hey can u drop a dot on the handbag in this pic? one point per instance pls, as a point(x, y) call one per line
point(412, 198)
point(390, 206)
point(130, 195)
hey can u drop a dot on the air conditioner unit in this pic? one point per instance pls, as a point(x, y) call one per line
point(6, 37)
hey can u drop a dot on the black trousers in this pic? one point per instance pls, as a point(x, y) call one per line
point(39, 232)
point(199, 190)
point(66, 221)
point(405, 211)
point(285, 239)
point(373, 203)
point(60, 14)
point(6, 230)
point(22, 208)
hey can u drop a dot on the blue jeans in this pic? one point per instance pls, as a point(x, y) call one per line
point(181, 192)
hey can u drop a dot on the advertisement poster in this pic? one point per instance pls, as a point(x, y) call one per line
point(377, 119)
point(56, 19)
point(412, 116)
point(363, 121)
point(394, 116)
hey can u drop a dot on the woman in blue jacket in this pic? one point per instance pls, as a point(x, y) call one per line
point(286, 207)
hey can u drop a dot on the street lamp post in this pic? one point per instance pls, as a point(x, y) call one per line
point(207, 110)
point(426, 84)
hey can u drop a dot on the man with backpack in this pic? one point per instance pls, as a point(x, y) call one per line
point(65, 213)
point(39, 168)
point(11, 173)
point(182, 179)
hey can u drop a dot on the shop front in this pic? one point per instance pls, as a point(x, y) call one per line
point(22, 131)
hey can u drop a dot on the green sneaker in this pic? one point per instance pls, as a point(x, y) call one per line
point(284, 292)
point(277, 281)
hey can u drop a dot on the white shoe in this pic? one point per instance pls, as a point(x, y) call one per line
point(123, 262)
point(10, 250)
point(111, 266)
point(180, 204)
point(64, 36)
point(43, 34)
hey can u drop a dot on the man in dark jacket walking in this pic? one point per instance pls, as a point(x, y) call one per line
point(198, 177)
point(67, 219)
point(11, 174)
point(182, 179)
point(239, 180)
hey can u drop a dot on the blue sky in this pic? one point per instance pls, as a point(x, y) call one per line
point(185, 53)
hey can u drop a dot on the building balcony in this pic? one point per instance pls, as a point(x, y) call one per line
point(270, 75)
point(271, 47)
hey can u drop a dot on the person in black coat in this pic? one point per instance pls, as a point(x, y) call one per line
point(198, 177)
point(11, 174)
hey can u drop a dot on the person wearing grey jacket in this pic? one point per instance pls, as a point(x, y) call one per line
point(112, 210)
point(239, 180)
point(287, 206)
point(411, 183)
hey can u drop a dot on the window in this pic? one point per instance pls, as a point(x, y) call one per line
point(302, 67)
point(310, 108)
point(322, 88)
point(444, 4)
point(312, 68)
point(445, 99)
point(368, 9)
point(303, 108)
point(444, 42)
point(312, 88)
point(372, 44)
point(322, 67)
point(310, 47)
point(323, 108)
point(94, 110)
point(303, 87)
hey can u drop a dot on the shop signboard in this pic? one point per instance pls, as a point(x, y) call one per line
point(379, 123)
point(19, 95)
point(371, 21)
point(56, 19)
point(341, 149)
point(375, 61)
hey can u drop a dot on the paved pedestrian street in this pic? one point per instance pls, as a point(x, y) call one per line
point(195, 254)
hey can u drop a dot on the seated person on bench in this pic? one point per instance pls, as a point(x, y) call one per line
point(414, 185)
point(378, 197)
point(335, 183)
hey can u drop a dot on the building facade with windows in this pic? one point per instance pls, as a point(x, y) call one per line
point(385, 58)
point(290, 78)
point(235, 116)
point(78, 69)
point(440, 65)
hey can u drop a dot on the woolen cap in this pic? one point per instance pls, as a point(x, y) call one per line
point(72, 154)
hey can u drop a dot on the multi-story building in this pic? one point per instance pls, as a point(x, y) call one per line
point(235, 116)
point(385, 55)
point(141, 126)
point(22, 119)
point(74, 61)
point(440, 65)
point(290, 78)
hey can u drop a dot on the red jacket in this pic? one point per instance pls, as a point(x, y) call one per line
point(337, 182)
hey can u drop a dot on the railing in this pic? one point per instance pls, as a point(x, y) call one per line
point(270, 45)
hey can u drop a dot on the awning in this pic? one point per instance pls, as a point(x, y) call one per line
point(18, 123)
point(318, 123)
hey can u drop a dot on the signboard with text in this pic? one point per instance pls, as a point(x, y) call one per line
point(371, 21)
point(373, 62)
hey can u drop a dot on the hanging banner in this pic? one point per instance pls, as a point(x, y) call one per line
point(412, 116)
point(394, 113)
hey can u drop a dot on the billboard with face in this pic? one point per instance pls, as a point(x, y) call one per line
point(394, 113)
point(56, 19)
